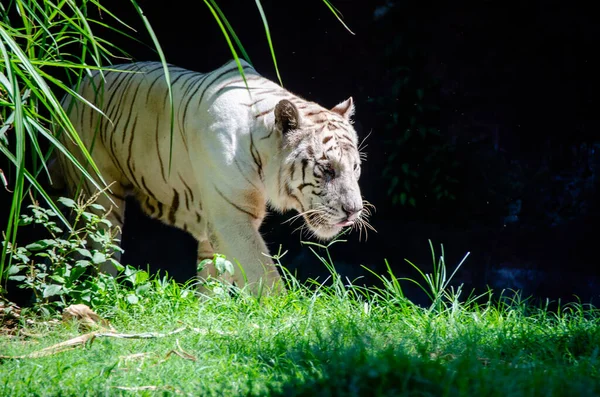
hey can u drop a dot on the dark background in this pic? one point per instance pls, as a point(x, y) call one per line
point(484, 131)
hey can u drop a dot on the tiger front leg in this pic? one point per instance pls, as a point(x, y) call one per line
point(239, 240)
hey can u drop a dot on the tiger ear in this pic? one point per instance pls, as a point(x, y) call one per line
point(286, 116)
point(345, 109)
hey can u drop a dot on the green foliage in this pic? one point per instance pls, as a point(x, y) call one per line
point(63, 269)
point(336, 339)
point(223, 266)
point(59, 270)
point(436, 284)
point(220, 262)
point(45, 49)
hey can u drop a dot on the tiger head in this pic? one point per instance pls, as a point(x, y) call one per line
point(322, 162)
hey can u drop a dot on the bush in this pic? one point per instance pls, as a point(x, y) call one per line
point(59, 270)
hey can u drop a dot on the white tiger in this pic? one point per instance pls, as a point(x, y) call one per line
point(235, 149)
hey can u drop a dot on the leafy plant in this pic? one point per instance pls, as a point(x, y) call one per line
point(60, 269)
point(223, 266)
point(436, 285)
point(46, 48)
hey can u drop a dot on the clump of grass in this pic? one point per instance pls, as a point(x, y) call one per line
point(338, 339)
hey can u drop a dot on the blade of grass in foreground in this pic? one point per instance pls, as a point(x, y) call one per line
point(43, 34)
point(53, 104)
point(231, 31)
point(167, 75)
point(20, 134)
point(307, 342)
point(228, 39)
point(268, 34)
point(337, 14)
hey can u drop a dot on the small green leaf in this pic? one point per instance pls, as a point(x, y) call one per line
point(21, 257)
point(58, 279)
point(97, 207)
point(98, 258)
point(25, 220)
point(76, 272)
point(117, 265)
point(37, 246)
point(203, 263)
point(88, 216)
point(116, 248)
point(142, 289)
point(132, 299)
point(64, 242)
point(402, 198)
point(86, 296)
point(223, 265)
point(83, 263)
point(67, 202)
point(13, 269)
point(217, 290)
point(84, 252)
point(141, 277)
point(17, 278)
point(52, 290)
point(393, 184)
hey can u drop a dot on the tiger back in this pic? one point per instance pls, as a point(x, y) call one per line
point(237, 146)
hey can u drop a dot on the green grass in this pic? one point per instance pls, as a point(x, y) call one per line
point(328, 341)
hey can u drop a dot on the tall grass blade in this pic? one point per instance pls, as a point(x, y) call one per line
point(167, 75)
point(268, 33)
point(337, 14)
point(231, 31)
point(42, 35)
point(20, 134)
point(228, 39)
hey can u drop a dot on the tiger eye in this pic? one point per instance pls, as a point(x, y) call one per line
point(329, 171)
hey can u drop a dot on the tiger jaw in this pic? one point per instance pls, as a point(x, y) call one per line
point(326, 229)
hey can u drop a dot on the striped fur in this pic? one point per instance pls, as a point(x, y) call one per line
point(234, 151)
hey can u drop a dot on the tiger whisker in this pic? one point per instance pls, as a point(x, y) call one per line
point(361, 228)
point(357, 226)
point(368, 225)
point(299, 228)
point(362, 145)
point(367, 204)
point(307, 212)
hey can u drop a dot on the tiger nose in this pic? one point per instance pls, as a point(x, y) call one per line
point(351, 211)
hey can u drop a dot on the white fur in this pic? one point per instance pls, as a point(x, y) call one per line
point(219, 132)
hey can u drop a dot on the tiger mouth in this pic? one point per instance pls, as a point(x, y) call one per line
point(327, 228)
point(328, 222)
point(344, 223)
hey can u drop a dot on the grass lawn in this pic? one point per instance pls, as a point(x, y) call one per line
point(329, 341)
